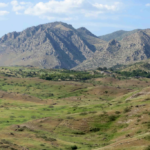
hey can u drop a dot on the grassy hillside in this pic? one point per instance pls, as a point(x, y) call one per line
point(99, 113)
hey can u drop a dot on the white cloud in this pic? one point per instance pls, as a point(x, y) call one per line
point(72, 8)
point(103, 7)
point(16, 6)
point(3, 4)
point(25, 3)
point(53, 6)
point(19, 6)
point(2, 13)
point(148, 4)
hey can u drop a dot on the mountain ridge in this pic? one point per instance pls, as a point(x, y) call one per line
point(60, 45)
point(54, 41)
point(118, 35)
point(129, 50)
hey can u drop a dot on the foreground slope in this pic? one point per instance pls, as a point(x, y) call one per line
point(97, 114)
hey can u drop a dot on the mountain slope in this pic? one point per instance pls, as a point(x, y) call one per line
point(54, 45)
point(91, 38)
point(118, 35)
point(59, 45)
point(133, 48)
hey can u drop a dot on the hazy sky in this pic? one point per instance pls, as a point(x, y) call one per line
point(99, 16)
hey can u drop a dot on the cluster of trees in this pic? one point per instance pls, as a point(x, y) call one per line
point(68, 76)
point(102, 69)
point(64, 77)
point(134, 73)
point(147, 66)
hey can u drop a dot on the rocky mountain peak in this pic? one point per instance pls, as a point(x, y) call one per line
point(113, 46)
point(9, 36)
point(52, 45)
point(113, 42)
point(57, 25)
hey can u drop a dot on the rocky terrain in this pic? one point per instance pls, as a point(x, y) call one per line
point(59, 45)
point(55, 45)
point(130, 49)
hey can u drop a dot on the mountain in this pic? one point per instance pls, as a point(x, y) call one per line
point(118, 35)
point(131, 49)
point(53, 45)
point(59, 45)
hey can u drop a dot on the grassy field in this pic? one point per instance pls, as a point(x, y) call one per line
point(101, 113)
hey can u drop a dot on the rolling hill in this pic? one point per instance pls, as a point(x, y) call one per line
point(97, 114)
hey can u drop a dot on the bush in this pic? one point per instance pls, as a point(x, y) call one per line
point(79, 133)
point(127, 109)
point(112, 118)
point(46, 138)
point(102, 69)
point(147, 148)
point(94, 129)
point(147, 138)
point(74, 147)
point(106, 92)
point(148, 125)
point(69, 75)
point(134, 73)
point(83, 113)
point(50, 139)
point(117, 112)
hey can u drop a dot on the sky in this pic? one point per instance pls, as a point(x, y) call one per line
point(99, 16)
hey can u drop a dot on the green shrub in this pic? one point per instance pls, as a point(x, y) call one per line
point(147, 138)
point(74, 147)
point(148, 125)
point(112, 118)
point(117, 112)
point(79, 133)
point(127, 109)
point(50, 139)
point(83, 113)
point(94, 129)
point(70, 75)
point(147, 148)
point(134, 73)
